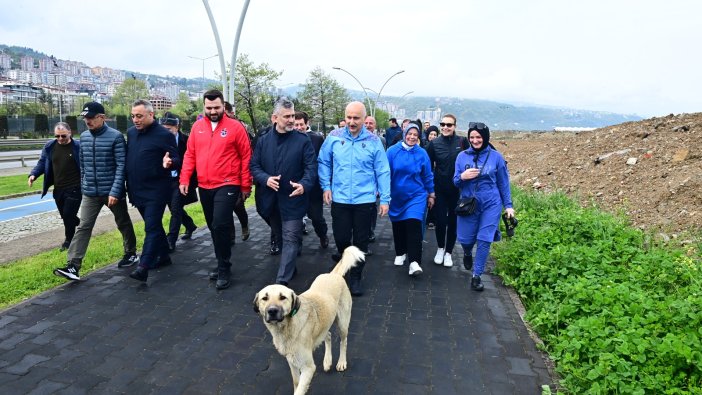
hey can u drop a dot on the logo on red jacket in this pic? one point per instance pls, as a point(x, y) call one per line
point(223, 133)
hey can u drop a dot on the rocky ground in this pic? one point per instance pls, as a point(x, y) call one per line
point(651, 169)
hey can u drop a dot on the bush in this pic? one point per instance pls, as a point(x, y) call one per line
point(72, 121)
point(4, 126)
point(41, 124)
point(617, 314)
point(122, 124)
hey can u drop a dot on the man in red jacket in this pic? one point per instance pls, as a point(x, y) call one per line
point(219, 150)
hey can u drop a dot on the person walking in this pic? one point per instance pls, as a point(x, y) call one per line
point(393, 134)
point(151, 153)
point(481, 172)
point(353, 168)
point(442, 154)
point(60, 164)
point(284, 170)
point(220, 152)
point(102, 168)
point(411, 192)
point(370, 125)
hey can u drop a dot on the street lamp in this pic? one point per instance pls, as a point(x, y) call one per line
point(203, 67)
point(359, 83)
point(408, 93)
point(365, 90)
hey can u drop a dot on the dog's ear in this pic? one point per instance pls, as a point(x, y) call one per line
point(255, 304)
point(295, 303)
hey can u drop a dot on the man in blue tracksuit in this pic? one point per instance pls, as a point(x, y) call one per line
point(352, 169)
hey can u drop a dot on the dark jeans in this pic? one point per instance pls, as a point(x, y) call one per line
point(155, 243)
point(290, 232)
point(316, 213)
point(445, 219)
point(241, 213)
point(351, 224)
point(407, 235)
point(217, 205)
point(374, 218)
point(178, 215)
point(68, 202)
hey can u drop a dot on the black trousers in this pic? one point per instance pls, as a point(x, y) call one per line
point(68, 202)
point(445, 218)
point(407, 235)
point(241, 213)
point(155, 245)
point(316, 213)
point(178, 215)
point(351, 224)
point(217, 205)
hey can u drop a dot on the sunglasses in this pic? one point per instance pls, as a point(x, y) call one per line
point(476, 126)
point(448, 125)
point(60, 136)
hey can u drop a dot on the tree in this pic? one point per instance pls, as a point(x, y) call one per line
point(46, 99)
point(253, 100)
point(41, 124)
point(125, 94)
point(121, 123)
point(325, 98)
point(72, 121)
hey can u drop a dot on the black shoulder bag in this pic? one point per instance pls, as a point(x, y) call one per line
point(467, 205)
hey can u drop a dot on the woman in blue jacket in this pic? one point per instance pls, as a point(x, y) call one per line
point(411, 191)
point(481, 171)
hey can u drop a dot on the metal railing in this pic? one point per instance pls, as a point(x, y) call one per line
point(20, 158)
point(23, 142)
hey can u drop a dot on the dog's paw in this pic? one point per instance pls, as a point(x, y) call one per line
point(327, 363)
point(341, 366)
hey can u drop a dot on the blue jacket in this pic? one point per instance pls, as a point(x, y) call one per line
point(359, 166)
point(411, 182)
point(45, 167)
point(102, 162)
point(292, 157)
point(147, 180)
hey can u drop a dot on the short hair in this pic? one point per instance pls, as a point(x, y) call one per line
point(302, 115)
point(394, 120)
point(213, 94)
point(142, 102)
point(281, 103)
point(227, 106)
point(450, 116)
point(62, 125)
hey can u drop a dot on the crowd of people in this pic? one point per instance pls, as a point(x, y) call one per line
point(416, 174)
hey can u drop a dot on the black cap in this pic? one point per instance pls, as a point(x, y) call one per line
point(92, 109)
point(170, 119)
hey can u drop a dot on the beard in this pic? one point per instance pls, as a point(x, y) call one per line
point(214, 117)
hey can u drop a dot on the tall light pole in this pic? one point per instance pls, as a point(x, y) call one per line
point(365, 90)
point(359, 83)
point(381, 90)
point(203, 67)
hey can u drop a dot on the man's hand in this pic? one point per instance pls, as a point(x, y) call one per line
point(273, 182)
point(298, 189)
point(383, 210)
point(183, 189)
point(30, 181)
point(327, 197)
point(111, 201)
point(167, 161)
point(245, 195)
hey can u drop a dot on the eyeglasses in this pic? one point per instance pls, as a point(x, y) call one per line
point(476, 126)
point(448, 124)
point(60, 136)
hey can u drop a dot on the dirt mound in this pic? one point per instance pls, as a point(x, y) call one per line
point(650, 169)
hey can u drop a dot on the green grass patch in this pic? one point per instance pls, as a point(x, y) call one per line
point(618, 312)
point(10, 185)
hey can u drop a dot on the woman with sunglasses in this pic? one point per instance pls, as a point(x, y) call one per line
point(442, 155)
point(481, 172)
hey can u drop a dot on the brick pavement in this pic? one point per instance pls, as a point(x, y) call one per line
point(177, 334)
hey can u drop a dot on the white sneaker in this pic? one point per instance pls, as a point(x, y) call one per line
point(414, 269)
point(400, 260)
point(439, 257)
point(448, 262)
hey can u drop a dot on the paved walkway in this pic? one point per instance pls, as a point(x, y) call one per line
point(177, 334)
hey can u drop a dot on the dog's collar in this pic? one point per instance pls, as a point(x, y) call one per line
point(292, 313)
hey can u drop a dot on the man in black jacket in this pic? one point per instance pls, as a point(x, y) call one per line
point(151, 152)
point(284, 169)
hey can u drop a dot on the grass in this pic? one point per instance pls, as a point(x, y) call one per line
point(10, 185)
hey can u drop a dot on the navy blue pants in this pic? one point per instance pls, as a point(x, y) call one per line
point(155, 243)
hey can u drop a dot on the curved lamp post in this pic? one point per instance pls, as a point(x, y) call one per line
point(365, 93)
point(203, 67)
point(365, 90)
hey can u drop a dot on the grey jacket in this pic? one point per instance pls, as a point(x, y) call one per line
point(102, 162)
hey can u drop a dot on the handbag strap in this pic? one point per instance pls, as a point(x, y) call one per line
point(475, 187)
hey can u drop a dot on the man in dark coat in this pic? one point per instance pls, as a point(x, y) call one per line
point(151, 152)
point(284, 169)
point(177, 203)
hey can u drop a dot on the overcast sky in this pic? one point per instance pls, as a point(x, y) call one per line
point(637, 57)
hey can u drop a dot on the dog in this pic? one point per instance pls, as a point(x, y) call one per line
point(298, 324)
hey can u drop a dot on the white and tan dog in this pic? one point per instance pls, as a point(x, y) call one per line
point(299, 324)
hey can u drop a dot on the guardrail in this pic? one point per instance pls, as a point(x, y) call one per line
point(21, 142)
point(20, 158)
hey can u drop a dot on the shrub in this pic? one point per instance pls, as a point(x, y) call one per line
point(41, 124)
point(122, 124)
point(72, 121)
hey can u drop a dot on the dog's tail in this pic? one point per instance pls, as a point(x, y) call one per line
point(348, 260)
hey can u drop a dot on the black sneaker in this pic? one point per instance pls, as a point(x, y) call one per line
point(140, 273)
point(214, 273)
point(245, 233)
point(69, 272)
point(128, 260)
point(476, 284)
point(188, 234)
point(223, 279)
point(324, 241)
point(467, 261)
point(275, 249)
point(371, 238)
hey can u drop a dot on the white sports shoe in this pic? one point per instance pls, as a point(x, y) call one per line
point(448, 261)
point(414, 269)
point(439, 257)
point(400, 260)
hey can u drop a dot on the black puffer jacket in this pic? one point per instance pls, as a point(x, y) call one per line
point(442, 156)
point(103, 155)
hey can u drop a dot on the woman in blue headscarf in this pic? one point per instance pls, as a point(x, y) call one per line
point(481, 171)
point(411, 191)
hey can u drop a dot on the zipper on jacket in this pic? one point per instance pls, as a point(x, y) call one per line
point(95, 166)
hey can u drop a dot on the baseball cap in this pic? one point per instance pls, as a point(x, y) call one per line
point(92, 109)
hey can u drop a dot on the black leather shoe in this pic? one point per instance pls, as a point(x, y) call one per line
point(371, 238)
point(213, 274)
point(355, 284)
point(324, 241)
point(476, 284)
point(140, 273)
point(467, 261)
point(275, 249)
point(245, 233)
point(164, 261)
point(223, 279)
point(171, 245)
point(188, 234)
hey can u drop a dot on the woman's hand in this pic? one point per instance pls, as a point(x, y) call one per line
point(509, 212)
point(469, 174)
point(430, 201)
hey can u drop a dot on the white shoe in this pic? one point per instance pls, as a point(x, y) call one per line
point(439, 257)
point(414, 269)
point(400, 260)
point(448, 262)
